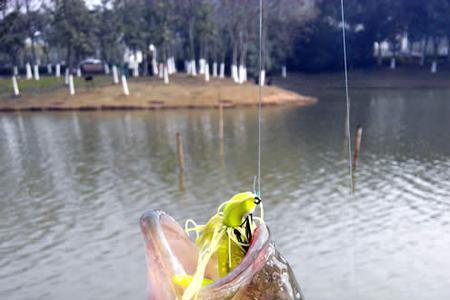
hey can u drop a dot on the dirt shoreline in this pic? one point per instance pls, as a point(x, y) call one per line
point(146, 94)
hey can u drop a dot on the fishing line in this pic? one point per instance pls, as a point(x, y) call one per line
point(347, 99)
point(260, 96)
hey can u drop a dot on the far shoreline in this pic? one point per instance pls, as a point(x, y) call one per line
point(403, 77)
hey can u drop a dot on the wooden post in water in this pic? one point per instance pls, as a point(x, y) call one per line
point(180, 152)
point(221, 121)
point(358, 136)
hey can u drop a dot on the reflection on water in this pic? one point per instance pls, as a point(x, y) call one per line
point(73, 185)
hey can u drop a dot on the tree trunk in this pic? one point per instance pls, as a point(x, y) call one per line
point(379, 55)
point(435, 54)
point(242, 63)
point(191, 39)
point(234, 58)
point(145, 62)
point(435, 47)
point(29, 29)
point(394, 55)
point(33, 51)
point(69, 57)
point(424, 50)
point(448, 48)
point(47, 54)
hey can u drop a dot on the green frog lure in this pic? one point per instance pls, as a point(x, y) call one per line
point(227, 236)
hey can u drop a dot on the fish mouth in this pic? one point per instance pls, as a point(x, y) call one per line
point(170, 252)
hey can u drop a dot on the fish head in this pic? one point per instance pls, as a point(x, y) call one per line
point(262, 274)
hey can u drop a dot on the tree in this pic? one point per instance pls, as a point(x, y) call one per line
point(34, 22)
point(284, 20)
point(12, 35)
point(131, 18)
point(73, 29)
point(107, 30)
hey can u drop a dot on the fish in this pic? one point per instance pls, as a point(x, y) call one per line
point(263, 273)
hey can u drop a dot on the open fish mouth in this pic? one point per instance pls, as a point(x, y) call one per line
point(262, 274)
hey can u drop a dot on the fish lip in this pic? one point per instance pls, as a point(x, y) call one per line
point(254, 260)
point(161, 263)
point(151, 224)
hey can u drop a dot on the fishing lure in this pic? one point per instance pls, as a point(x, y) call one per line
point(227, 235)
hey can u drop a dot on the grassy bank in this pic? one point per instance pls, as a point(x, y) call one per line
point(46, 84)
point(145, 93)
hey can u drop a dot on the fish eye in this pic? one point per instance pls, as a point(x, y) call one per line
point(257, 200)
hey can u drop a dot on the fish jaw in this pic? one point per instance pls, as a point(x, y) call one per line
point(169, 252)
point(262, 274)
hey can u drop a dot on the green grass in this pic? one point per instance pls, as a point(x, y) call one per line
point(47, 84)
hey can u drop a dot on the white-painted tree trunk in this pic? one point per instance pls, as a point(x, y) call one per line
point(262, 78)
point(126, 92)
point(434, 67)
point(79, 72)
point(283, 72)
point(49, 69)
point(71, 85)
point(66, 76)
point(58, 70)
point(166, 75)
point(214, 69)
point(106, 67)
point(241, 74)
point(207, 72)
point(193, 68)
point(161, 71)
point(245, 74)
point(170, 65)
point(136, 69)
point(154, 67)
point(188, 67)
point(222, 70)
point(15, 86)
point(15, 71)
point(202, 63)
point(174, 65)
point(393, 63)
point(36, 72)
point(29, 73)
point(115, 75)
point(234, 73)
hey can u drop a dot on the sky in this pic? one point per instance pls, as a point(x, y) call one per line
point(91, 3)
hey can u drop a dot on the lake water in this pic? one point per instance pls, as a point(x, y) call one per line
point(73, 186)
